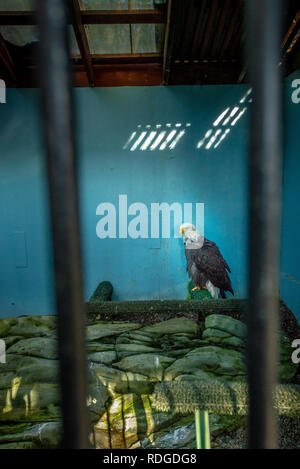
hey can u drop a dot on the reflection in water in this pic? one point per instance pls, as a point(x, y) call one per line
point(228, 118)
point(151, 137)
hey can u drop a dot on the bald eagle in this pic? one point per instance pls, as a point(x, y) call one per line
point(205, 264)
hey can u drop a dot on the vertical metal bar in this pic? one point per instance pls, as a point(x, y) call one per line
point(264, 17)
point(202, 429)
point(58, 115)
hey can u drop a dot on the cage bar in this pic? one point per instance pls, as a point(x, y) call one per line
point(264, 22)
point(58, 115)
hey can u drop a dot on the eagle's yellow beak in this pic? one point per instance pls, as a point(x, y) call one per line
point(181, 231)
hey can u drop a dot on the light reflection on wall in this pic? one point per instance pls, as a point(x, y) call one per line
point(224, 123)
point(157, 136)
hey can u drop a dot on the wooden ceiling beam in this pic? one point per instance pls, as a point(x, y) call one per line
point(294, 23)
point(188, 28)
point(17, 18)
point(106, 75)
point(196, 41)
point(23, 18)
point(82, 40)
point(126, 59)
point(105, 59)
point(124, 16)
point(220, 28)
point(209, 28)
point(231, 28)
point(169, 39)
point(5, 57)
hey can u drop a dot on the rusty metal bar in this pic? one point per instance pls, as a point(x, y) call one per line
point(264, 21)
point(58, 114)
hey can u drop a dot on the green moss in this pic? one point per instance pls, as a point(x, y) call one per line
point(230, 423)
point(197, 294)
point(103, 292)
point(11, 429)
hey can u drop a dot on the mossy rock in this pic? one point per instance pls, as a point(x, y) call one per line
point(197, 294)
point(103, 292)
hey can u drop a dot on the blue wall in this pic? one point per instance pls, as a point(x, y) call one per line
point(142, 268)
point(290, 260)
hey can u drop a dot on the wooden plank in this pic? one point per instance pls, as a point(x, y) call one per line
point(205, 72)
point(124, 16)
point(208, 31)
point(123, 75)
point(294, 23)
point(103, 59)
point(7, 60)
point(82, 40)
point(188, 29)
point(110, 75)
point(169, 40)
point(17, 18)
point(126, 59)
point(220, 28)
point(196, 41)
point(230, 30)
point(156, 16)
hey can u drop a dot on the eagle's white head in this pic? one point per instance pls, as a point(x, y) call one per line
point(191, 236)
point(189, 232)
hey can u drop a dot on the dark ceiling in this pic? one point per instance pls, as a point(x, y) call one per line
point(202, 43)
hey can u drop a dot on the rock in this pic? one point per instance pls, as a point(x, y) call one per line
point(11, 340)
point(181, 434)
point(15, 362)
point(30, 403)
point(172, 326)
point(36, 347)
point(214, 359)
point(140, 336)
point(125, 350)
point(98, 396)
point(47, 372)
point(4, 327)
point(130, 418)
point(125, 362)
point(139, 384)
point(107, 358)
point(18, 445)
point(43, 435)
point(216, 336)
point(105, 329)
point(113, 379)
point(48, 435)
point(103, 292)
point(147, 364)
point(227, 324)
point(99, 347)
point(29, 326)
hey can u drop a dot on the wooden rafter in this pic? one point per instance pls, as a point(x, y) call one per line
point(169, 40)
point(195, 44)
point(82, 40)
point(17, 18)
point(295, 21)
point(231, 28)
point(124, 16)
point(104, 59)
point(220, 28)
point(208, 31)
point(5, 57)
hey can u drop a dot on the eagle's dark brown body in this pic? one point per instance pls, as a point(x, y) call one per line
point(205, 264)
